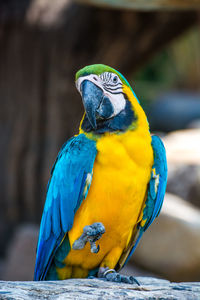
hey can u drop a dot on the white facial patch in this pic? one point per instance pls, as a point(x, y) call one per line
point(118, 103)
point(111, 85)
point(92, 78)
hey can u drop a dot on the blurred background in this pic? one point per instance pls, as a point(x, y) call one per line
point(42, 45)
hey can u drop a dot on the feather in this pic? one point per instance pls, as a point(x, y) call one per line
point(64, 195)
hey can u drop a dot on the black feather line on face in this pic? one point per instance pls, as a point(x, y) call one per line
point(119, 84)
point(112, 88)
point(111, 92)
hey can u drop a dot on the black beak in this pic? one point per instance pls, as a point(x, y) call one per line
point(92, 96)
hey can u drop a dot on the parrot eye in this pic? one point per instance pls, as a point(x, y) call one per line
point(115, 79)
point(111, 82)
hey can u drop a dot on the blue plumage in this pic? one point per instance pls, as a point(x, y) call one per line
point(156, 189)
point(157, 184)
point(64, 196)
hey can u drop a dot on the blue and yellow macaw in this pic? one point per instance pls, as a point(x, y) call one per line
point(107, 184)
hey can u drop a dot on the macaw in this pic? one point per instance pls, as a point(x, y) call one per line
point(107, 184)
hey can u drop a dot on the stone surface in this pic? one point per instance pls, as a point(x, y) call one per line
point(183, 156)
point(171, 246)
point(183, 146)
point(184, 181)
point(20, 260)
point(150, 288)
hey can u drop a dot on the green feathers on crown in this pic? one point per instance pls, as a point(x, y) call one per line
point(99, 69)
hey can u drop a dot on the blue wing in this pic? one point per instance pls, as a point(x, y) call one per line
point(156, 190)
point(157, 184)
point(67, 188)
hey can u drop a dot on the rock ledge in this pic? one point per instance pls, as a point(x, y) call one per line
point(151, 288)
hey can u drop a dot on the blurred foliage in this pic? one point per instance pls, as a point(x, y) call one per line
point(177, 67)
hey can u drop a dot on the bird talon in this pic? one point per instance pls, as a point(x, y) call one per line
point(91, 233)
point(112, 275)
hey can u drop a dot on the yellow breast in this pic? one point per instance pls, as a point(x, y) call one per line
point(120, 176)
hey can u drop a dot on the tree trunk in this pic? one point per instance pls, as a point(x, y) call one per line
point(40, 107)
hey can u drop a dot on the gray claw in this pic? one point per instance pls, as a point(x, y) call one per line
point(94, 248)
point(112, 275)
point(91, 233)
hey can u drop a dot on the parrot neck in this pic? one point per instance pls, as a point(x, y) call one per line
point(132, 118)
point(119, 123)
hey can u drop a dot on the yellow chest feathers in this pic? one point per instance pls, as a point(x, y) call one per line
point(123, 150)
point(120, 176)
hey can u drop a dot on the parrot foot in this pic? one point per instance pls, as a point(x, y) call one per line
point(112, 275)
point(91, 234)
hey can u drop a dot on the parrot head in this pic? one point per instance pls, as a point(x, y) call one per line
point(109, 101)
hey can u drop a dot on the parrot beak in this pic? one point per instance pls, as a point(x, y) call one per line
point(92, 96)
